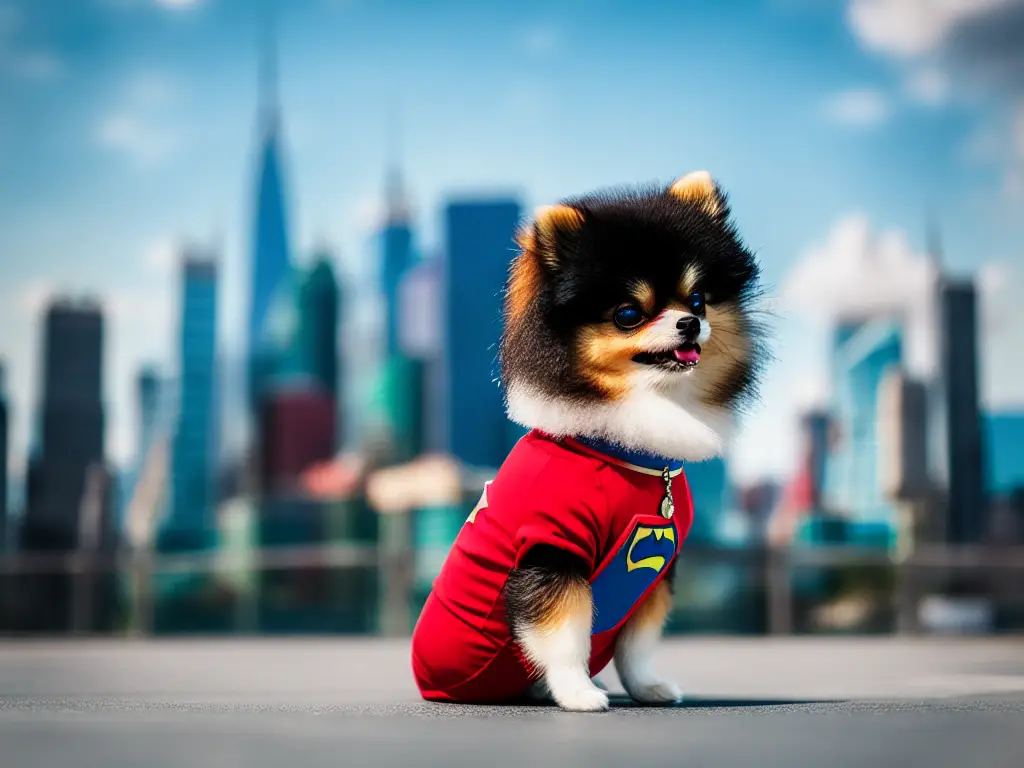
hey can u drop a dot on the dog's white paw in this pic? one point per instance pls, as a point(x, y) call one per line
point(655, 692)
point(580, 697)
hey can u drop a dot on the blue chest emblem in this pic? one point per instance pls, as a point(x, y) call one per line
point(639, 560)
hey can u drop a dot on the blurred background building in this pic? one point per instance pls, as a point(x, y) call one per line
point(195, 437)
point(71, 421)
point(4, 431)
point(478, 236)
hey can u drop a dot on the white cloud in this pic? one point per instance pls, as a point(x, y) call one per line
point(138, 126)
point(1000, 141)
point(1002, 317)
point(859, 108)
point(151, 90)
point(147, 144)
point(160, 255)
point(857, 272)
point(977, 43)
point(928, 85)
point(32, 297)
point(907, 28)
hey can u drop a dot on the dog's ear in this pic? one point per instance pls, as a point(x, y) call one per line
point(553, 229)
point(700, 189)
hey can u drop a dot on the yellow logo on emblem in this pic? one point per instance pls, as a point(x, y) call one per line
point(654, 562)
point(482, 504)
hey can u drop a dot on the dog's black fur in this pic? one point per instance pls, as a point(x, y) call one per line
point(575, 268)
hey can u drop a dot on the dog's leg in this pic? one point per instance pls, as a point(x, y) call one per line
point(635, 647)
point(539, 690)
point(550, 612)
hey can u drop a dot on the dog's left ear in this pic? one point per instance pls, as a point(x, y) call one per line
point(699, 188)
point(553, 228)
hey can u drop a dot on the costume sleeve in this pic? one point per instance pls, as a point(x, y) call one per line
point(564, 513)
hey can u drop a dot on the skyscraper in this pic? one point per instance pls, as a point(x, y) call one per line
point(194, 451)
point(297, 422)
point(415, 417)
point(403, 374)
point(862, 354)
point(903, 437)
point(958, 366)
point(800, 505)
point(71, 424)
point(319, 305)
point(816, 426)
point(709, 488)
point(3, 462)
point(271, 257)
point(148, 391)
point(479, 246)
point(397, 256)
point(1004, 447)
point(68, 450)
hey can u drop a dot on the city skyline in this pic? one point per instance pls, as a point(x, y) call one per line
point(794, 222)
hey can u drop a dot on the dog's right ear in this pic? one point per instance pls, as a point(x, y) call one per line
point(553, 226)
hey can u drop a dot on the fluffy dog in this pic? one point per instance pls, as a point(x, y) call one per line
point(630, 342)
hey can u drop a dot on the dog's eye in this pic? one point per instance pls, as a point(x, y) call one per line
point(696, 303)
point(628, 316)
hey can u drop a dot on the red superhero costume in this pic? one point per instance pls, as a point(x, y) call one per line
point(563, 493)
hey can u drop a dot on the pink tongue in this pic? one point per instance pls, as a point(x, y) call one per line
point(686, 355)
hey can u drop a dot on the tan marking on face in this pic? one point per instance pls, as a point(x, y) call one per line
point(653, 611)
point(724, 353)
point(605, 355)
point(697, 187)
point(570, 604)
point(644, 295)
point(689, 282)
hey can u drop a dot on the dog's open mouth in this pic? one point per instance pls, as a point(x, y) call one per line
point(685, 356)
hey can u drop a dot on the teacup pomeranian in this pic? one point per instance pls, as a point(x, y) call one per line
point(630, 343)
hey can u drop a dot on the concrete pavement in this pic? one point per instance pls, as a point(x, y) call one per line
point(338, 702)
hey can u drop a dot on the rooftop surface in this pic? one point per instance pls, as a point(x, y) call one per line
point(338, 702)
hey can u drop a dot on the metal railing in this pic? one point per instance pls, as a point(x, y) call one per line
point(393, 559)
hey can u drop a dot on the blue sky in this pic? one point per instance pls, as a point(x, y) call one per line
point(128, 125)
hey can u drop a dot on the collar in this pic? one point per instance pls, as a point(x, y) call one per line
point(638, 461)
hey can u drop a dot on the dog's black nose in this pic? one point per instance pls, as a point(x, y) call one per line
point(689, 327)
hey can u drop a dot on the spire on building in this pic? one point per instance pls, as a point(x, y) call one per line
point(271, 253)
point(394, 191)
point(268, 91)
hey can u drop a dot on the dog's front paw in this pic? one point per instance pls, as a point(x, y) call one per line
point(655, 692)
point(582, 696)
